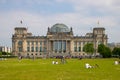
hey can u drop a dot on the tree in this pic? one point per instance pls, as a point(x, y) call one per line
point(88, 48)
point(116, 51)
point(0, 53)
point(4, 53)
point(104, 51)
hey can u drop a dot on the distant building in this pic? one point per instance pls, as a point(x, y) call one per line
point(59, 41)
point(117, 45)
point(5, 49)
point(113, 45)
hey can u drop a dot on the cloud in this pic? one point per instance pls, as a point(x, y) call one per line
point(26, 1)
point(85, 15)
point(38, 24)
point(109, 7)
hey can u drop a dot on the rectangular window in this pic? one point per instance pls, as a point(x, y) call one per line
point(28, 49)
point(28, 43)
point(75, 46)
point(64, 46)
point(44, 49)
point(75, 43)
point(36, 49)
point(40, 49)
point(32, 42)
point(20, 49)
point(79, 49)
point(55, 46)
point(75, 49)
point(32, 49)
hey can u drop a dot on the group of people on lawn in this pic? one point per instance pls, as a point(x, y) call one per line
point(87, 65)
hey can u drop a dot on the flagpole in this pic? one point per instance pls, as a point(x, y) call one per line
point(21, 21)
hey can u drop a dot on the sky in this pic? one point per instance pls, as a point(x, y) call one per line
point(38, 15)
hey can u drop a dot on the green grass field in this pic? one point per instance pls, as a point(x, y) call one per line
point(43, 69)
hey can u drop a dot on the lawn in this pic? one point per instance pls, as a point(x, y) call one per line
point(43, 69)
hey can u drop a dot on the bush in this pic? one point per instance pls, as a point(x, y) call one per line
point(116, 52)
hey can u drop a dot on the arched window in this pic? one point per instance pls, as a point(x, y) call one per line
point(20, 43)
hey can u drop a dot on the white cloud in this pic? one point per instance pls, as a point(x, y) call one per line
point(80, 19)
point(104, 6)
point(38, 24)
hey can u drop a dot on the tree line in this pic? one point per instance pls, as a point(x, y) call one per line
point(5, 55)
point(103, 50)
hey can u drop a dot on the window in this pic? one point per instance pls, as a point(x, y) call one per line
point(20, 43)
point(75, 43)
point(100, 42)
point(28, 43)
point(32, 48)
point(28, 49)
point(75, 46)
point(44, 49)
point(59, 46)
point(75, 49)
point(20, 31)
point(20, 49)
point(79, 49)
point(40, 49)
point(40, 54)
point(36, 49)
point(32, 42)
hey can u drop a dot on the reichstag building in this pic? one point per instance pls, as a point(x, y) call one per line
point(59, 41)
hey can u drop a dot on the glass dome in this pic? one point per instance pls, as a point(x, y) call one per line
point(59, 28)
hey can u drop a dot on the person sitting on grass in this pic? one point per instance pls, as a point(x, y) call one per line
point(96, 66)
point(54, 62)
point(116, 62)
point(87, 66)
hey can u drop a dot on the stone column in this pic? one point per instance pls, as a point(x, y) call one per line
point(47, 50)
point(16, 48)
point(15, 45)
point(30, 46)
point(62, 45)
point(77, 46)
point(81, 46)
point(66, 46)
point(57, 45)
point(24, 46)
point(54, 45)
point(72, 46)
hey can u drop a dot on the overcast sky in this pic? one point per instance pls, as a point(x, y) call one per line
point(38, 15)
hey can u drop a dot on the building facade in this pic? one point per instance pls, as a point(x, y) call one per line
point(5, 49)
point(59, 41)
